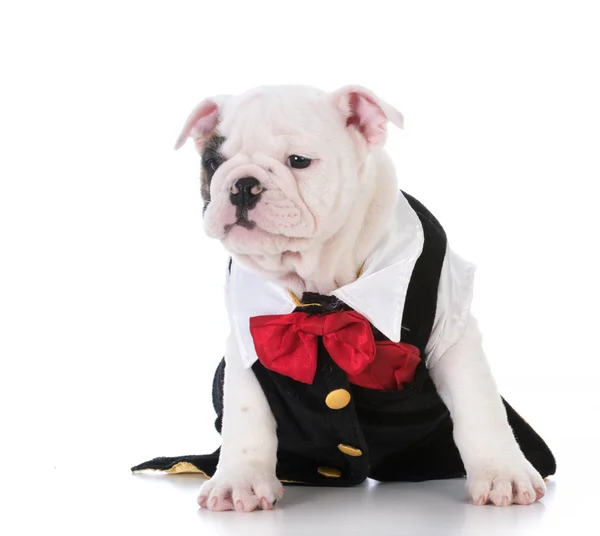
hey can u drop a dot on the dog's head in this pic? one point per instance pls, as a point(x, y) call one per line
point(281, 165)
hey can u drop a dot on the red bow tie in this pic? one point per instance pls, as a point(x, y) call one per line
point(287, 344)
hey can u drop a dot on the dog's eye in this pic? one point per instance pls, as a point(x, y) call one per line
point(212, 164)
point(299, 162)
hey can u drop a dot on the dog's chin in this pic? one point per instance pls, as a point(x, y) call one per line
point(247, 238)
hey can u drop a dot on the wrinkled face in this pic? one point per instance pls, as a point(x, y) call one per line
point(281, 165)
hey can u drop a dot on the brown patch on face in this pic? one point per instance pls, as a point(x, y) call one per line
point(212, 158)
point(204, 187)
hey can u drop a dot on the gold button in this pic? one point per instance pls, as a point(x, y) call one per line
point(338, 399)
point(350, 451)
point(329, 472)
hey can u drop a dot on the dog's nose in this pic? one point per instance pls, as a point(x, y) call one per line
point(245, 192)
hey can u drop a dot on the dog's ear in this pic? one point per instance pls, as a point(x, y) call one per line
point(366, 113)
point(201, 122)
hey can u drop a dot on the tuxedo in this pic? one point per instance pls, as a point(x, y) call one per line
point(346, 375)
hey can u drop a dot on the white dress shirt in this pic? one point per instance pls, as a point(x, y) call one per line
point(378, 294)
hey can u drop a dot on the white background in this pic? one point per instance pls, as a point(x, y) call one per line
point(111, 314)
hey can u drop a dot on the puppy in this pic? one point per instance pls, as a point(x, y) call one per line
point(352, 351)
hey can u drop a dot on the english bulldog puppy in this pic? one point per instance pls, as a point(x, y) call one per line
point(298, 188)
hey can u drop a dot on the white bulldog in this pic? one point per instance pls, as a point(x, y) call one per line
point(299, 190)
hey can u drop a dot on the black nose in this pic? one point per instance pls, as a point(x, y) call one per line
point(245, 192)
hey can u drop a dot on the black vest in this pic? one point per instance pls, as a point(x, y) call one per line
point(395, 435)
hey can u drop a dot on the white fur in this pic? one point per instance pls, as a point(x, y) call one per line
point(314, 229)
point(496, 468)
point(245, 478)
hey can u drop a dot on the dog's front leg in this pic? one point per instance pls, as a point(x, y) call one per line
point(245, 478)
point(497, 470)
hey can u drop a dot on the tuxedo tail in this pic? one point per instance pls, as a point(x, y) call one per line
point(195, 464)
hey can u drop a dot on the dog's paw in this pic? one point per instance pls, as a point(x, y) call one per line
point(242, 489)
point(503, 481)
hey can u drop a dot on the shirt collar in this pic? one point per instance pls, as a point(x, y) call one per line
point(378, 294)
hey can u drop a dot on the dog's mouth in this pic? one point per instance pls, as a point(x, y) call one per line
point(246, 237)
point(242, 221)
